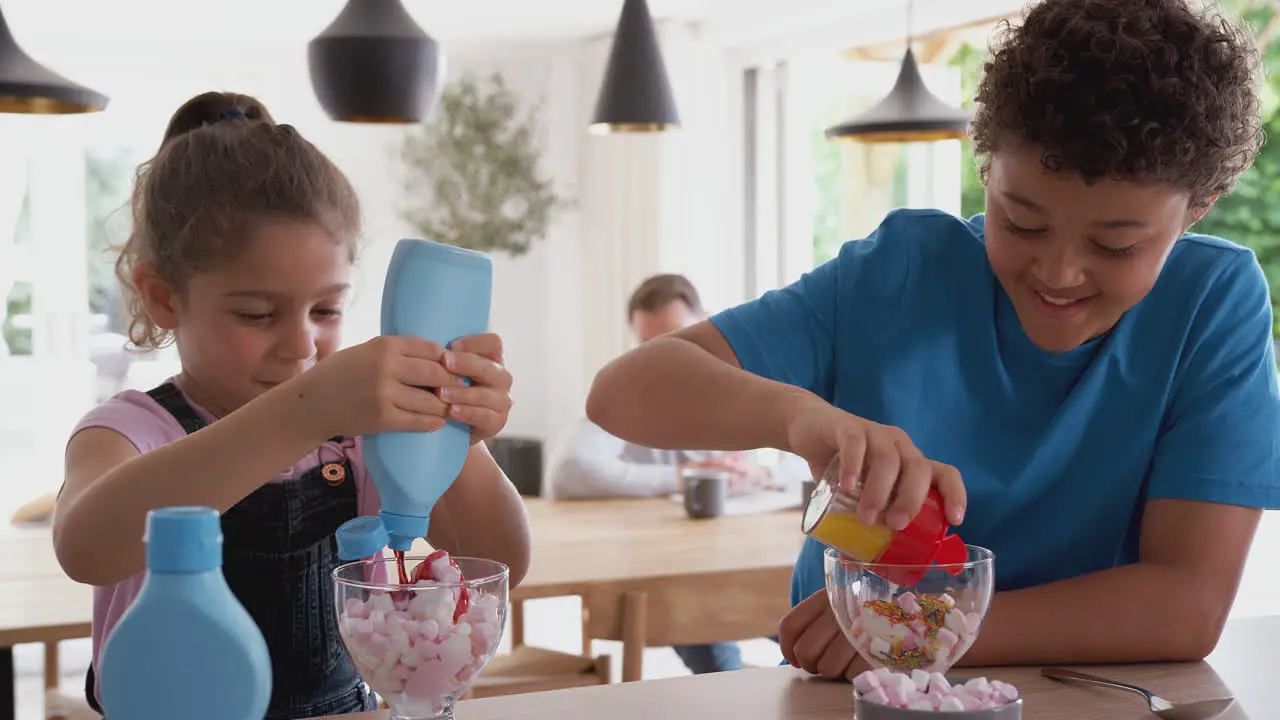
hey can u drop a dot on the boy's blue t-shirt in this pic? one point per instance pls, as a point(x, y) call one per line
point(1058, 452)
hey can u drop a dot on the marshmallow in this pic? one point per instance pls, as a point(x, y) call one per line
point(421, 646)
point(880, 647)
point(899, 694)
point(921, 680)
point(866, 682)
point(877, 696)
point(904, 691)
point(1004, 691)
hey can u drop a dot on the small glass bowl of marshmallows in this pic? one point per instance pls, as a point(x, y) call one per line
point(911, 636)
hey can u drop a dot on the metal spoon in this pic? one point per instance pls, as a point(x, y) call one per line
point(1198, 710)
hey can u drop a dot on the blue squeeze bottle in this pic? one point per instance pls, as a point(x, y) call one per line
point(440, 293)
point(186, 647)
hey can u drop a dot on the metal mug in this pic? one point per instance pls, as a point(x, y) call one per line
point(705, 492)
point(806, 491)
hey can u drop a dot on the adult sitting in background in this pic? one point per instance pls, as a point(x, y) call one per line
point(593, 464)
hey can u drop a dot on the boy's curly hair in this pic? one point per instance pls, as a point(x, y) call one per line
point(1151, 91)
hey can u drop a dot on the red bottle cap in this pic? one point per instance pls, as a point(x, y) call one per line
point(922, 543)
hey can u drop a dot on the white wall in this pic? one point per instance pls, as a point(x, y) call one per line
point(643, 204)
point(657, 202)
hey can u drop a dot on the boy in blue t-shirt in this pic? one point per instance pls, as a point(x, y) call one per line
point(1091, 388)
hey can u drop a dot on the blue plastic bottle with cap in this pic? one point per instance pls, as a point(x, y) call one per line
point(186, 647)
point(441, 293)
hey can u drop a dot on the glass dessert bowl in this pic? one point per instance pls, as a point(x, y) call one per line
point(926, 625)
point(421, 645)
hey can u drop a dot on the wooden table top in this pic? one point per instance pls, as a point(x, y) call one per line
point(26, 553)
point(583, 543)
point(1244, 666)
point(575, 545)
point(44, 609)
point(38, 602)
point(573, 542)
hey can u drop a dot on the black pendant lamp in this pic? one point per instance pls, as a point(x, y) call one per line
point(373, 64)
point(635, 95)
point(28, 87)
point(909, 113)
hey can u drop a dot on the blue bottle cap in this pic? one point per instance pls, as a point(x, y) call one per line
point(183, 540)
point(360, 538)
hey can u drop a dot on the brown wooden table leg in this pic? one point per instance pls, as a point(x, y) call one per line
point(634, 621)
point(517, 624)
point(52, 676)
point(586, 629)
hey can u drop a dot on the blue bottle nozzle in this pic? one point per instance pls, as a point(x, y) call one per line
point(360, 538)
point(402, 530)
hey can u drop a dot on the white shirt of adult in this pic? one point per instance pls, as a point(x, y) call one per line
point(591, 464)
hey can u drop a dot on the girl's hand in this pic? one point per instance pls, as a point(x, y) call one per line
point(879, 457)
point(486, 404)
point(385, 384)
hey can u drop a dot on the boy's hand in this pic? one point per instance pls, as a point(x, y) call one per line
point(486, 404)
point(880, 457)
point(812, 640)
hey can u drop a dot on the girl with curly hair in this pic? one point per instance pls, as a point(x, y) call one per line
point(1090, 386)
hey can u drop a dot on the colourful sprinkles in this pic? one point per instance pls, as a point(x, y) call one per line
point(933, 611)
point(904, 653)
point(888, 610)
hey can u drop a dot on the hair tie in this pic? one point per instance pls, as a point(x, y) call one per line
point(232, 114)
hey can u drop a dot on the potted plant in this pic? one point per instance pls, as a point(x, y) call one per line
point(473, 171)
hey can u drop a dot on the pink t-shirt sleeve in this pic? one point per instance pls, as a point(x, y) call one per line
point(137, 417)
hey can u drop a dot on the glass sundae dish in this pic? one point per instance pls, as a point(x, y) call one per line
point(421, 645)
point(926, 625)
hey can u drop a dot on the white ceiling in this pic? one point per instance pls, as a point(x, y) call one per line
point(452, 20)
point(111, 38)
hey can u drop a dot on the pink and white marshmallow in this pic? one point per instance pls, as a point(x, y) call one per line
point(902, 635)
point(920, 690)
point(410, 650)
